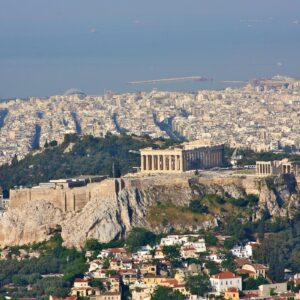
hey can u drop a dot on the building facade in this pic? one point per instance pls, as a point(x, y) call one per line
point(223, 281)
point(189, 156)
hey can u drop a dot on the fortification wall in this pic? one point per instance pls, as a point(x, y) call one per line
point(66, 199)
point(22, 196)
point(74, 199)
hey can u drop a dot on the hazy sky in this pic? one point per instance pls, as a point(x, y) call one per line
point(48, 46)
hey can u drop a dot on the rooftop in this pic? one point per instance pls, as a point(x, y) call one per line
point(225, 275)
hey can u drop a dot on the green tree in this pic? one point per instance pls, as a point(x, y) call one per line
point(166, 293)
point(210, 239)
point(106, 263)
point(228, 263)
point(53, 143)
point(197, 207)
point(253, 284)
point(139, 237)
point(19, 280)
point(97, 283)
point(212, 267)
point(171, 252)
point(93, 245)
point(198, 284)
point(46, 145)
point(229, 243)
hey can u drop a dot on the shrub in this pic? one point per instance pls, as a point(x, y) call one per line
point(237, 202)
point(197, 207)
point(213, 198)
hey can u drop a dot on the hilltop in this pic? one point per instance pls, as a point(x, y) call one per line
point(77, 155)
point(163, 203)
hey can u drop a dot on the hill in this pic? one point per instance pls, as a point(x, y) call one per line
point(77, 155)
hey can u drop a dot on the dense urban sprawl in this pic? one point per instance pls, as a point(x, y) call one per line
point(262, 115)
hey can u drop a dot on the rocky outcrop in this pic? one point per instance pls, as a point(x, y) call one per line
point(106, 219)
point(278, 196)
point(110, 215)
point(33, 222)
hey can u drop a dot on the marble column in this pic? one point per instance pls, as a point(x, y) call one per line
point(181, 163)
point(147, 162)
point(152, 162)
point(142, 163)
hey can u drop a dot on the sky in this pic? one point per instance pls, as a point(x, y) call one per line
point(50, 46)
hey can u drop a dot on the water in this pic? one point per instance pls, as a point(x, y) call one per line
point(49, 53)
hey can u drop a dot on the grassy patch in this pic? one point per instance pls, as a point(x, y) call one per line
point(169, 214)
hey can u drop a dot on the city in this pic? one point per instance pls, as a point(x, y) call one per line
point(263, 116)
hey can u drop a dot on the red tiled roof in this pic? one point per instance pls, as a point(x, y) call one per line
point(117, 250)
point(188, 248)
point(250, 295)
point(117, 276)
point(224, 275)
point(260, 267)
point(171, 281)
point(232, 289)
point(68, 298)
point(287, 294)
point(81, 280)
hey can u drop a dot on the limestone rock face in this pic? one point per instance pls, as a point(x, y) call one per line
point(279, 197)
point(112, 214)
point(105, 219)
point(33, 222)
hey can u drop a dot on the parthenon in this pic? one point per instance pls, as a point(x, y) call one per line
point(188, 156)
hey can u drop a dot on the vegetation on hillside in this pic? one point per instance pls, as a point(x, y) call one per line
point(53, 273)
point(166, 293)
point(55, 259)
point(280, 237)
point(202, 208)
point(77, 155)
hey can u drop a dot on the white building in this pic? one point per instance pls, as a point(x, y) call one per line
point(243, 251)
point(172, 240)
point(224, 280)
point(218, 258)
point(193, 240)
point(198, 245)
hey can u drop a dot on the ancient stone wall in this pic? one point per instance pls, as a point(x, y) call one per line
point(66, 199)
point(74, 199)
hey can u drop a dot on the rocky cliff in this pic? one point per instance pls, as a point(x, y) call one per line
point(110, 215)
